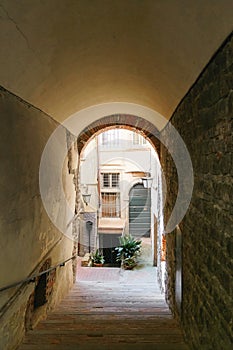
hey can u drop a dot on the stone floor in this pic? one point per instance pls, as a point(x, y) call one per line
point(110, 308)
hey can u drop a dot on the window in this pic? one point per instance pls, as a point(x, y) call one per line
point(115, 180)
point(138, 139)
point(110, 204)
point(110, 138)
point(110, 194)
point(110, 180)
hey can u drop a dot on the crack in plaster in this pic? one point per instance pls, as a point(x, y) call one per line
point(20, 31)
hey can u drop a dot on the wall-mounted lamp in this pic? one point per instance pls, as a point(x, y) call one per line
point(147, 181)
point(86, 198)
point(86, 195)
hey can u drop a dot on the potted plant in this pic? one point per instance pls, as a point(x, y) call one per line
point(97, 258)
point(128, 251)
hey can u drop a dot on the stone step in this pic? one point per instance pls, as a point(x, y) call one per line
point(94, 331)
point(97, 315)
point(94, 346)
point(72, 336)
point(109, 328)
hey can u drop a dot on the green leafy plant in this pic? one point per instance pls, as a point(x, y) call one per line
point(96, 257)
point(128, 251)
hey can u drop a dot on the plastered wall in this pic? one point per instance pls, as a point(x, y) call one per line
point(27, 236)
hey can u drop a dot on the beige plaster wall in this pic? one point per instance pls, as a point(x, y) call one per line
point(26, 233)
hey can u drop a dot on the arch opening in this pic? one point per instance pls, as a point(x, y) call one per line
point(113, 158)
point(170, 139)
point(124, 121)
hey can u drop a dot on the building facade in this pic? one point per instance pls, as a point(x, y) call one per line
point(113, 164)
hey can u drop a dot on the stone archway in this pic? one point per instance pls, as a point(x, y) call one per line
point(135, 123)
point(132, 123)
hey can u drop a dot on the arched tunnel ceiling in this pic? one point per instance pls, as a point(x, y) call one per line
point(63, 55)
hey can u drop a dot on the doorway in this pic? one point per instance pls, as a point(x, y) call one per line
point(108, 242)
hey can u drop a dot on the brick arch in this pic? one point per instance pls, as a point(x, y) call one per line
point(126, 121)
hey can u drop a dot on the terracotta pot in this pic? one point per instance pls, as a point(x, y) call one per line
point(98, 265)
point(129, 267)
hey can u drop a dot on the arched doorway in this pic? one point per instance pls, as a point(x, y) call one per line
point(146, 217)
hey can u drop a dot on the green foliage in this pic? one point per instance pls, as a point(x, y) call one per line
point(96, 257)
point(128, 250)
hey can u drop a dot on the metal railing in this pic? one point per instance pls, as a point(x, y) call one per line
point(32, 278)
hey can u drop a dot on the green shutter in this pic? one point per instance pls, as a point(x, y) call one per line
point(140, 211)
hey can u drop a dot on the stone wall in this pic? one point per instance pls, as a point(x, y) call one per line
point(204, 121)
point(27, 236)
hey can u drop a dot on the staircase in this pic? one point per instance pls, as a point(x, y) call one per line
point(109, 309)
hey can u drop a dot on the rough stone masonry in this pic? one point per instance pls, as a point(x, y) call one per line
point(204, 121)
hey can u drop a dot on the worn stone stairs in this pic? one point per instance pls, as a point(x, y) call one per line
point(109, 309)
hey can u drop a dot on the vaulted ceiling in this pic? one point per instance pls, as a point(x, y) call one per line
point(66, 55)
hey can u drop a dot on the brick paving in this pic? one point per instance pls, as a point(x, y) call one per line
point(109, 308)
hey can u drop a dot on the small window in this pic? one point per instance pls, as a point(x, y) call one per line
point(110, 138)
point(41, 295)
point(106, 180)
point(110, 204)
point(110, 180)
point(115, 180)
point(138, 139)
